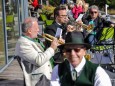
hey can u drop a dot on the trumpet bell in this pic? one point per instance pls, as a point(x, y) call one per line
point(87, 27)
point(90, 27)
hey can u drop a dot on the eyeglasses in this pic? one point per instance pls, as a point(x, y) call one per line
point(75, 49)
point(63, 15)
point(93, 12)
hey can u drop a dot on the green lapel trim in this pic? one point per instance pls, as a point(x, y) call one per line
point(41, 43)
point(28, 38)
point(38, 42)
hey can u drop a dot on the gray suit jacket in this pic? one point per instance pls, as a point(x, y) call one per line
point(34, 60)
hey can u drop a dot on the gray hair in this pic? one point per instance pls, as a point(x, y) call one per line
point(94, 7)
point(28, 23)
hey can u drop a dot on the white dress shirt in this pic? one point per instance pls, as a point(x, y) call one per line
point(101, 77)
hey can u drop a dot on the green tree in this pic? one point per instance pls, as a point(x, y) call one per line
point(101, 3)
point(54, 2)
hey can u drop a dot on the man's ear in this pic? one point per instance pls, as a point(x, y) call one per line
point(29, 31)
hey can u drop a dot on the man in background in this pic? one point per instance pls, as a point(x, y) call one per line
point(59, 24)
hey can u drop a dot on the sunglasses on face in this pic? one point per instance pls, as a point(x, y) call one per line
point(93, 12)
point(75, 49)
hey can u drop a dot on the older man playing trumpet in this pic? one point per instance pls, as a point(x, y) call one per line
point(35, 61)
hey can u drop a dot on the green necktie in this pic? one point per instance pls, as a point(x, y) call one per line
point(74, 75)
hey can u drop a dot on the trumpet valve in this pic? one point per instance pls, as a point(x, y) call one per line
point(61, 42)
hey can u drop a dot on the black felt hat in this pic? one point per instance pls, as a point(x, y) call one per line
point(75, 38)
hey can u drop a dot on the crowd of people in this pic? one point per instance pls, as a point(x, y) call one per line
point(53, 64)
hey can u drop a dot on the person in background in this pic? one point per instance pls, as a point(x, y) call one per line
point(77, 9)
point(34, 8)
point(63, 2)
point(70, 6)
point(35, 4)
point(85, 7)
point(85, 10)
point(35, 61)
point(98, 23)
point(60, 23)
point(76, 70)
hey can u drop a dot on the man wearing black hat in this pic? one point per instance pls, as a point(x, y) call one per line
point(76, 70)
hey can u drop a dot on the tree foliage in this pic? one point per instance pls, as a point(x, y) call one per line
point(55, 3)
point(101, 3)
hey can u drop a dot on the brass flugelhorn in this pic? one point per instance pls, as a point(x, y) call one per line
point(50, 38)
point(89, 28)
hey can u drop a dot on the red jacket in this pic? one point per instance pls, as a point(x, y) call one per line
point(76, 11)
point(35, 3)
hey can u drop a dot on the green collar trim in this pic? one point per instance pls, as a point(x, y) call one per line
point(34, 40)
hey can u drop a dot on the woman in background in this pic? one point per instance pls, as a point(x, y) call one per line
point(77, 9)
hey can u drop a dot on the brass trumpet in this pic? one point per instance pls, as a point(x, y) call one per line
point(50, 38)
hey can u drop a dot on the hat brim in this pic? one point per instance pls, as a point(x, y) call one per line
point(83, 44)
